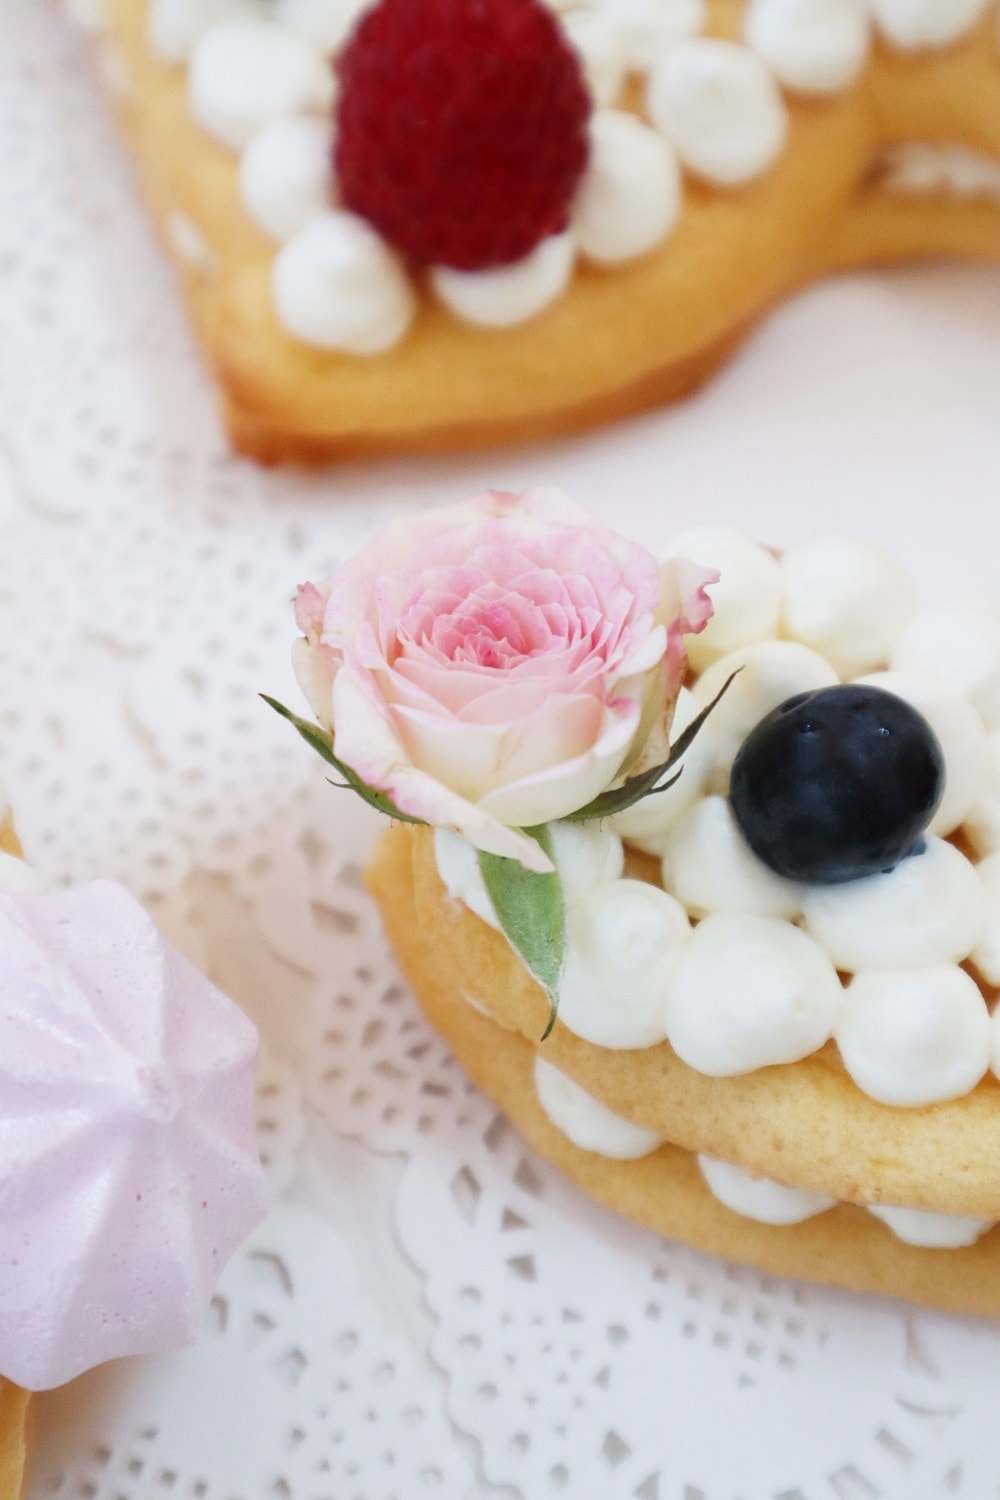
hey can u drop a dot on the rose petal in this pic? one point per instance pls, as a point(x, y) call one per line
point(367, 744)
point(315, 668)
point(451, 694)
point(647, 655)
point(383, 563)
point(476, 759)
point(310, 604)
point(390, 551)
point(565, 788)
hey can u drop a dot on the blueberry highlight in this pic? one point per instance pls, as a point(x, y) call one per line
point(837, 784)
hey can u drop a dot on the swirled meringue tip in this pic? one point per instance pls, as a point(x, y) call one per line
point(128, 1166)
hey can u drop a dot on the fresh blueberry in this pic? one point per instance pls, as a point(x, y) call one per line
point(837, 784)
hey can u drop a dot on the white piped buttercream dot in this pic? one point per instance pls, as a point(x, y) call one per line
point(960, 733)
point(719, 105)
point(647, 823)
point(630, 196)
point(812, 46)
point(914, 1036)
point(930, 167)
point(930, 909)
point(585, 1121)
point(458, 866)
point(760, 1198)
point(189, 243)
point(245, 72)
point(746, 600)
point(286, 174)
point(327, 23)
point(586, 854)
point(912, 25)
point(982, 822)
point(847, 599)
point(623, 940)
point(708, 866)
point(986, 954)
point(928, 1230)
point(648, 27)
point(176, 25)
point(960, 648)
point(750, 992)
point(767, 674)
point(506, 295)
point(338, 285)
point(601, 50)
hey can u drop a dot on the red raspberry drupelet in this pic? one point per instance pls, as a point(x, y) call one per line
point(461, 128)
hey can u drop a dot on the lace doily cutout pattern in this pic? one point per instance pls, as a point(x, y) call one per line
point(294, 1391)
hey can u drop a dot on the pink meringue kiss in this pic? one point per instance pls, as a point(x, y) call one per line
point(128, 1167)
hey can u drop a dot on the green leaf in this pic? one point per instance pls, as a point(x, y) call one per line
point(321, 740)
point(531, 911)
point(618, 798)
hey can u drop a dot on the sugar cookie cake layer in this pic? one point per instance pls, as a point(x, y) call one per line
point(665, 1190)
point(15, 1415)
point(777, 947)
point(805, 1123)
point(787, 957)
point(9, 841)
point(620, 338)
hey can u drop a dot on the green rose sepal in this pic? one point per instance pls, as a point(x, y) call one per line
point(531, 911)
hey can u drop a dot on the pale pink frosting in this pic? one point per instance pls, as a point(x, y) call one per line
point(128, 1168)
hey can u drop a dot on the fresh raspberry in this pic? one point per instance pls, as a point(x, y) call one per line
point(461, 128)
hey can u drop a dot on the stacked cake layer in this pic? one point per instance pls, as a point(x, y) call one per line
point(777, 1034)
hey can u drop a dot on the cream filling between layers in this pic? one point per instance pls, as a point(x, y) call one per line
point(591, 1126)
point(924, 168)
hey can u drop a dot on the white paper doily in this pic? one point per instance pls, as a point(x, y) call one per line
point(428, 1311)
point(306, 1396)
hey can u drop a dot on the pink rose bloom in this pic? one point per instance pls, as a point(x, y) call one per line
point(487, 665)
